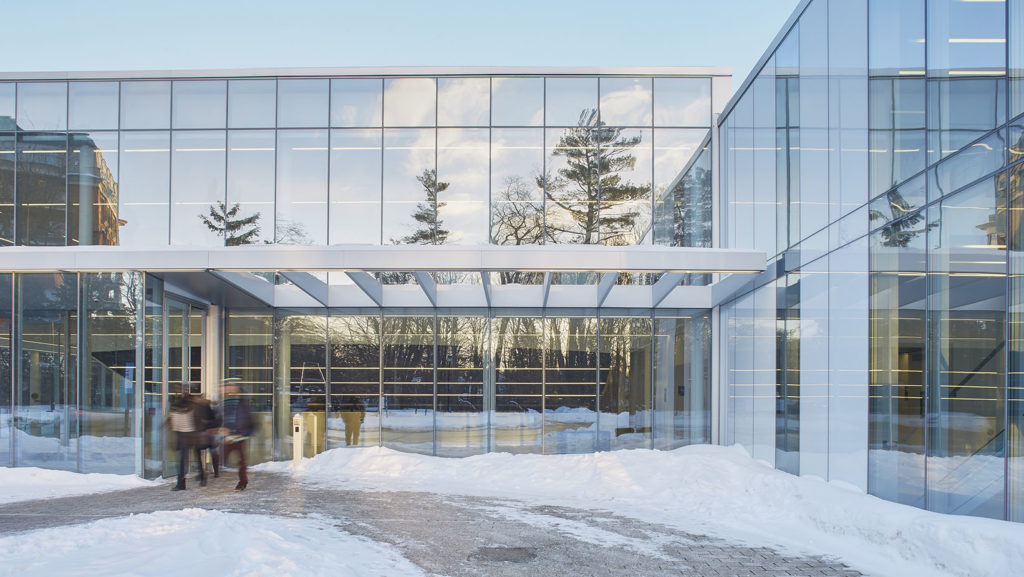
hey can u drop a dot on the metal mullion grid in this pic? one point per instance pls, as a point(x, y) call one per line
point(327, 193)
point(434, 232)
point(490, 175)
point(10, 383)
point(544, 194)
point(434, 339)
point(277, 109)
point(227, 154)
point(597, 154)
point(80, 370)
point(14, 195)
point(380, 377)
point(67, 163)
point(170, 168)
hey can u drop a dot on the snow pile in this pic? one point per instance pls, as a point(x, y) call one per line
point(198, 543)
point(717, 490)
point(23, 483)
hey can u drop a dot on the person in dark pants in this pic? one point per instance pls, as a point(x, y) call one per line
point(186, 420)
point(237, 423)
point(353, 413)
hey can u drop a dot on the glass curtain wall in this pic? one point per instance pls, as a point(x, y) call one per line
point(424, 160)
point(249, 339)
point(6, 367)
point(463, 409)
point(408, 380)
point(153, 375)
point(353, 417)
point(300, 388)
point(896, 368)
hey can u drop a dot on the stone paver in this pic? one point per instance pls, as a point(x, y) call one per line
point(453, 536)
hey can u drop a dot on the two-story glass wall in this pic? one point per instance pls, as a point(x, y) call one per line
point(894, 295)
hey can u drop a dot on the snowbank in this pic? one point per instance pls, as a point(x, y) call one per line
point(716, 490)
point(199, 543)
point(24, 483)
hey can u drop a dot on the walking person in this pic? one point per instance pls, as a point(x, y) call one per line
point(186, 420)
point(237, 427)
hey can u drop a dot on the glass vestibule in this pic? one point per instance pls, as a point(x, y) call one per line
point(457, 382)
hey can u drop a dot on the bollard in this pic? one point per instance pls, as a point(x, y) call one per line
point(298, 437)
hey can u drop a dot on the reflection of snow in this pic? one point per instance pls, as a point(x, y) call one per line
point(960, 484)
point(96, 454)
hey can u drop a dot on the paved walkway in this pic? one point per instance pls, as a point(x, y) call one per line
point(451, 536)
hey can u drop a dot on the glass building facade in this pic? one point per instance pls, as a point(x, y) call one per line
point(881, 346)
point(870, 165)
point(91, 359)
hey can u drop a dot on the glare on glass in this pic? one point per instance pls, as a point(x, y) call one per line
point(682, 102)
point(197, 189)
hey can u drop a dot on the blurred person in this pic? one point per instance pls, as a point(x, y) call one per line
point(186, 419)
point(237, 427)
point(353, 413)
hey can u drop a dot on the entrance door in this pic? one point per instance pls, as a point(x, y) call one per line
point(186, 340)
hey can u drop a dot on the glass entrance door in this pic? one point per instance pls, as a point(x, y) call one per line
point(186, 339)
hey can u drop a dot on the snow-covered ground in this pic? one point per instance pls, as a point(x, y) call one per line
point(198, 543)
point(23, 483)
point(703, 489)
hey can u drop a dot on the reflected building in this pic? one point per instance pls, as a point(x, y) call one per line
point(823, 268)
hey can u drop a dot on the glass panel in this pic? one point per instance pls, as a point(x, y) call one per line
point(354, 418)
point(814, 369)
point(570, 389)
point(42, 176)
point(848, 107)
point(301, 187)
point(463, 101)
point(966, 380)
point(250, 186)
point(517, 193)
point(517, 101)
point(462, 416)
point(153, 378)
point(814, 169)
point(6, 364)
point(46, 395)
point(682, 382)
point(571, 102)
point(896, 131)
point(302, 103)
point(624, 387)
point(897, 325)
point(763, 379)
point(571, 185)
point(7, 92)
point(679, 196)
point(198, 213)
point(787, 371)
point(355, 186)
point(410, 102)
point(42, 106)
point(681, 102)
point(407, 360)
point(144, 192)
point(145, 104)
point(962, 110)
point(966, 38)
point(300, 358)
point(252, 103)
point(518, 388)
point(848, 362)
point(896, 36)
point(410, 193)
point(741, 372)
point(250, 357)
point(787, 141)
point(1015, 344)
point(356, 102)
point(462, 187)
point(108, 439)
point(626, 101)
point(7, 152)
point(741, 175)
point(199, 104)
point(93, 189)
point(92, 105)
point(1015, 52)
point(975, 161)
point(625, 163)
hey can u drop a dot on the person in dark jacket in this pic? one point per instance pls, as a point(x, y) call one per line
point(188, 419)
point(237, 427)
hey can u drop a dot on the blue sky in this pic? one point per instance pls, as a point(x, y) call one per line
point(69, 35)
